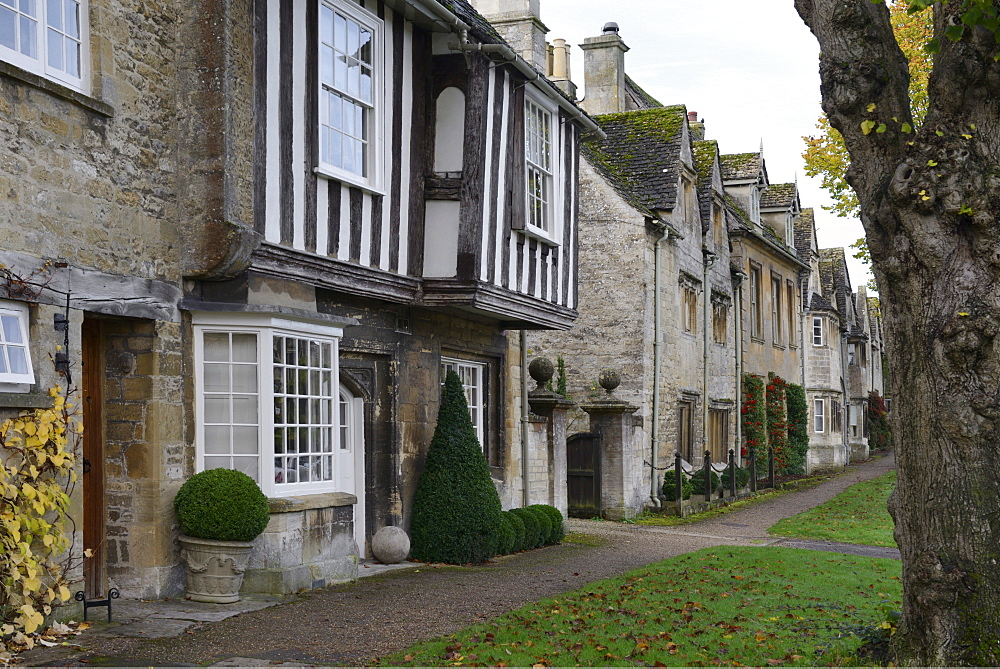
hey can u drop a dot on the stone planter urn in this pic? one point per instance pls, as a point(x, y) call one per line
point(214, 568)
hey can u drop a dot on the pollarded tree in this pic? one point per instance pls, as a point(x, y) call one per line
point(929, 201)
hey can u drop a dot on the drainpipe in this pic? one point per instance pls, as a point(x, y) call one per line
point(846, 385)
point(654, 493)
point(708, 260)
point(525, 494)
point(738, 334)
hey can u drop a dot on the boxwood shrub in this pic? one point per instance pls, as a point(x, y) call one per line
point(518, 526)
point(505, 542)
point(221, 504)
point(456, 508)
point(556, 519)
point(670, 485)
point(532, 532)
point(742, 477)
point(544, 525)
point(698, 482)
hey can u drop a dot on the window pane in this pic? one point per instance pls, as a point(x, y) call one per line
point(340, 32)
point(72, 58)
point(244, 348)
point(353, 78)
point(365, 48)
point(217, 463)
point(27, 7)
point(289, 351)
point(352, 39)
point(340, 73)
point(326, 24)
point(72, 19)
point(217, 409)
point(53, 13)
point(29, 39)
point(245, 439)
point(216, 347)
point(366, 84)
point(245, 378)
point(326, 64)
point(216, 378)
point(279, 380)
point(3, 360)
point(245, 409)
point(11, 329)
point(217, 440)
point(8, 28)
point(247, 465)
point(54, 48)
point(314, 357)
point(347, 120)
point(18, 360)
point(290, 381)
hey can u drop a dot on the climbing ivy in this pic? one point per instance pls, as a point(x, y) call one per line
point(754, 415)
point(777, 423)
point(879, 432)
point(798, 427)
point(38, 451)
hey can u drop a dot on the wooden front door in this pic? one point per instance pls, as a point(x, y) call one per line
point(93, 459)
point(583, 475)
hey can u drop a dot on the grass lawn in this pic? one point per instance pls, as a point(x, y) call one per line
point(855, 516)
point(728, 606)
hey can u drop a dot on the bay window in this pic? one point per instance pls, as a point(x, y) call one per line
point(540, 123)
point(267, 392)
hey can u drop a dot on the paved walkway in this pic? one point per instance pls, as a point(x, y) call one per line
point(355, 623)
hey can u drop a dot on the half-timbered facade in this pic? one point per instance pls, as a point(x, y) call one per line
point(414, 198)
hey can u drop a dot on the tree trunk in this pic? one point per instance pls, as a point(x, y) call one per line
point(929, 203)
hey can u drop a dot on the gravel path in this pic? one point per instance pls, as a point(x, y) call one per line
point(355, 623)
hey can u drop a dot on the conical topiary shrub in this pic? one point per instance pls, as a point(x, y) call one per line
point(456, 510)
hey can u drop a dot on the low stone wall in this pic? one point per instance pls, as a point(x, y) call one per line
point(308, 544)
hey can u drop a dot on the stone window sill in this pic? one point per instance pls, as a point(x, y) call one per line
point(31, 400)
point(59, 90)
point(307, 502)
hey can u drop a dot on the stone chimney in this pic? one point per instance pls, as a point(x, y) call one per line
point(697, 127)
point(559, 67)
point(517, 21)
point(604, 72)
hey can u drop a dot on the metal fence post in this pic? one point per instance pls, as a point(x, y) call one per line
point(678, 483)
point(732, 473)
point(708, 476)
point(770, 465)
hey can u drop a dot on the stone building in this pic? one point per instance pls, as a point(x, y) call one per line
point(656, 289)
point(273, 231)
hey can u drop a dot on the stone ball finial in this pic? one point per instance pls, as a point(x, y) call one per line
point(391, 544)
point(542, 371)
point(609, 379)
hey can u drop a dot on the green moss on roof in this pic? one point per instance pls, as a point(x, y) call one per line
point(704, 156)
point(642, 153)
point(740, 165)
point(778, 195)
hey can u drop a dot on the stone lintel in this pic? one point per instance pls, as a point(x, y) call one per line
point(307, 502)
point(609, 406)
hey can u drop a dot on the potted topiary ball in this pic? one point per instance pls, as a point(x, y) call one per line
point(221, 512)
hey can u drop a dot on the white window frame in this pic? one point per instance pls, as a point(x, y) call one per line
point(551, 231)
point(39, 63)
point(756, 297)
point(266, 327)
point(375, 152)
point(819, 415)
point(477, 410)
point(11, 381)
point(818, 335)
point(852, 420)
point(852, 356)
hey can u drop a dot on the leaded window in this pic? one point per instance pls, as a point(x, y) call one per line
point(44, 36)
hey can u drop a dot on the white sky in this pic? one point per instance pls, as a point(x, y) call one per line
point(750, 70)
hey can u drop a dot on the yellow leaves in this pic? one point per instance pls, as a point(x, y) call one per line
point(963, 314)
point(932, 163)
point(870, 108)
point(967, 136)
point(867, 127)
point(924, 196)
point(906, 128)
point(36, 460)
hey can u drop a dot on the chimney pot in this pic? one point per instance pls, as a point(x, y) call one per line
point(610, 27)
point(692, 117)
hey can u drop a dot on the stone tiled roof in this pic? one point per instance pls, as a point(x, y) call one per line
point(628, 189)
point(834, 262)
point(705, 152)
point(737, 166)
point(641, 97)
point(736, 217)
point(875, 316)
point(805, 231)
point(818, 302)
point(482, 29)
point(642, 149)
point(778, 195)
